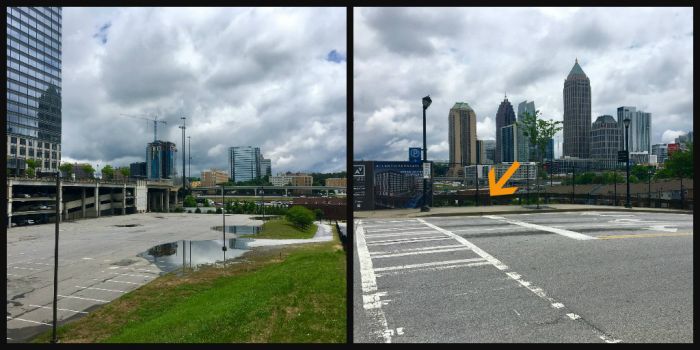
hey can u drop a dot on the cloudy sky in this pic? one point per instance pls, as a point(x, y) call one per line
point(633, 57)
point(272, 78)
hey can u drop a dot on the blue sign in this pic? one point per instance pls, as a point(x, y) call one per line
point(414, 155)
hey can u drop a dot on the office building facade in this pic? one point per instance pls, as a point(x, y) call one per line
point(577, 113)
point(605, 141)
point(244, 163)
point(33, 88)
point(462, 135)
point(161, 160)
point(515, 145)
point(138, 170)
point(504, 116)
point(639, 129)
point(660, 151)
point(523, 108)
point(485, 151)
point(213, 177)
point(266, 167)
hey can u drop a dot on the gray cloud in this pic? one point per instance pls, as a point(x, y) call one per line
point(241, 76)
point(633, 56)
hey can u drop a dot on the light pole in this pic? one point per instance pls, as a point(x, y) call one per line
point(626, 121)
point(54, 338)
point(615, 186)
point(426, 103)
point(184, 177)
point(649, 185)
point(189, 157)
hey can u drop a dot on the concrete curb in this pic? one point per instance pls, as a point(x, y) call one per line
point(522, 211)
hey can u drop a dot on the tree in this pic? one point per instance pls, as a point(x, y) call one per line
point(190, 202)
point(125, 171)
point(319, 214)
point(680, 164)
point(300, 216)
point(66, 169)
point(108, 172)
point(88, 169)
point(32, 164)
point(539, 132)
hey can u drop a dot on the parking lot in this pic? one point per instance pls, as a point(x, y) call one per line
point(98, 262)
point(549, 277)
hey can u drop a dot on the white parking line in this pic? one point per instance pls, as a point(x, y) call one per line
point(437, 263)
point(50, 308)
point(107, 290)
point(408, 240)
point(373, 309)
point(25, 268)
point(418, 252)
point(417, 249)
point(515, 276)
point(559, 231)
point(74, 297)
point(401, 234)
point(25, 320)
point(436, 268)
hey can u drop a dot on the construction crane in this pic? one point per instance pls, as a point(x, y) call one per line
point(155, 123)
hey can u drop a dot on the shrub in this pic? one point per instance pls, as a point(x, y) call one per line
point(300, 216)
point(179, 210)
point(190, 202)
point(218, 210)
point(198, 211)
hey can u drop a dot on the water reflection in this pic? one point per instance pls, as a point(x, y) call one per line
point(192, 254)
point(239, 229)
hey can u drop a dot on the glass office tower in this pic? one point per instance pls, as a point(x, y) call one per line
point(33, 88)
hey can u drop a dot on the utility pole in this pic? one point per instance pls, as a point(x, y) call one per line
point(54, 338)
point(573, 183)
point(184, 177)
point(189, 156)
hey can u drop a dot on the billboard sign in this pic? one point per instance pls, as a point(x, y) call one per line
point(414, 155)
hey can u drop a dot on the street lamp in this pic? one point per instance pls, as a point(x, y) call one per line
point(651, 172)
point(54, 338)
point(189, 157)
point(626, 121)
point(184, 175)
point(426, 103)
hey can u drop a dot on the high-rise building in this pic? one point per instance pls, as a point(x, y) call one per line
point(266, 167)
point(245, 163)
point(213, 177)
point(639, 129)
point(577, 114)
point(605, 142)
point(660, 151)
point(549, 150)
point(485, 151)
point(462, 135)
point(528, 107)
point(504, 116)
point(515, 146)
point(33, 88)
point(138, 170)
point(160, 160)
point(683, 140)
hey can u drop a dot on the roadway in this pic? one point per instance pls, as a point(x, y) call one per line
point(592, 276)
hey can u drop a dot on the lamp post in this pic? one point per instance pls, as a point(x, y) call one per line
point(189, 157)
point(54, 338)
point(184, 175)
point(626, 121)
point(651, 171)
point(615, 186)
point(426, 103)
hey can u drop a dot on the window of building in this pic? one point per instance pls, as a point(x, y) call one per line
point(13, 150)
point(22, 141)
point(53, 165)
point(53, 147)
point(31, 152)
point(46, 164)
point(13, 140)
point(22, 151)
point(53, 155)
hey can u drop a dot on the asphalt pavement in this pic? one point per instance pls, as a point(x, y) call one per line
point(592, 276)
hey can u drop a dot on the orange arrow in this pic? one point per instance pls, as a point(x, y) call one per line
point(496, 189)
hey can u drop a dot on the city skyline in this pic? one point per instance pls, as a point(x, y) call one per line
point(273, 78)
point(409, 53)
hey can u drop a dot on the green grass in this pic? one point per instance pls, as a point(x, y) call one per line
point(283, 229)
point(293, 294)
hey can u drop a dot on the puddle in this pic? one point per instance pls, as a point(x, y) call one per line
point(192, 254)
point(239, 229)
point(127, 225)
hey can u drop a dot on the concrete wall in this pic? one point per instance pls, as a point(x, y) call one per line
point(141, 194)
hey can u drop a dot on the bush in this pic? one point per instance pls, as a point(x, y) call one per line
point(318, 213)
point(300, 216)
point(179, 210)
point(198, 211)
point(218, 210)
point(190, 202)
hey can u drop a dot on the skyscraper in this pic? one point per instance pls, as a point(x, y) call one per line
point(33, 87)
point(528, 107)
point(160, 160)
point(515, 146)
point(577, 114)
point(266, 167)
point(504, 116)
point(639, 129)
point(462, 135)
point(485, 151)
point(246, 163)
point(605, 141)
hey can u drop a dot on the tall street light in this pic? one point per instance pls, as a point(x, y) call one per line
point(54, 338)
point(649, 174)
point(184, 175)
point(627, 149)
point(426, 103)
